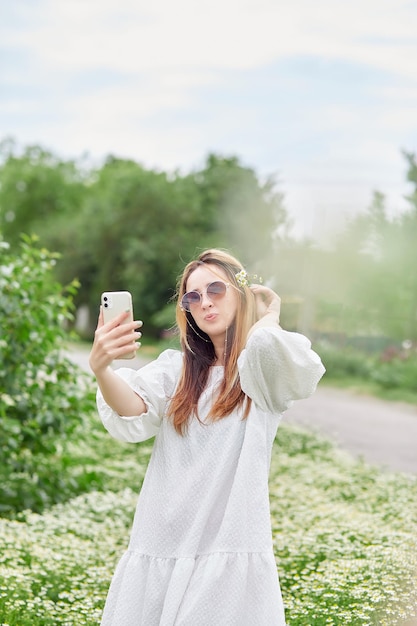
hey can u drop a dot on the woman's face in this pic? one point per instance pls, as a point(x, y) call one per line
point(212, 316)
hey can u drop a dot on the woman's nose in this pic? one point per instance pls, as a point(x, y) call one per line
point(205, 300)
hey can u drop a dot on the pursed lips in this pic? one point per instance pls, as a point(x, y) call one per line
point(210, 316)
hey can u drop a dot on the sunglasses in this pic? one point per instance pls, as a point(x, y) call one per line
point(215, 291)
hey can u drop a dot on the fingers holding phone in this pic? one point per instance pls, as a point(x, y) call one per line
point(117, 333)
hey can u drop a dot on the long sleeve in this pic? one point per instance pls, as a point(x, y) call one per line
point(155, 383)
point(277, 367)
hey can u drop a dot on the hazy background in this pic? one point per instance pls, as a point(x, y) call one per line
point(323, 94)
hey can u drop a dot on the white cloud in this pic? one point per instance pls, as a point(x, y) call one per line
point(400, 118)
point(137, 36)
point(130, 101)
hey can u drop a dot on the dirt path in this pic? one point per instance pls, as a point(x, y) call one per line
point(382, 433)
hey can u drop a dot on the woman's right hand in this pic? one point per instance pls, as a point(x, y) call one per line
point(113, 340)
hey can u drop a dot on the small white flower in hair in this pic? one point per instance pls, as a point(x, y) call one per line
point(242, 278)
point(245, 280)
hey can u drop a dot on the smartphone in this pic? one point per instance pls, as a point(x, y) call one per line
point(115, 302)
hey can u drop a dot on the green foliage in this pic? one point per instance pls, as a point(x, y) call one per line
point(241, 213)
point(378, 255)
point(43, 394)
point(37, 189)
point(396, 374)
point(393, 369)
point(346, 545)
point(122, 226)
point(364, 282)
point(347, 362)
point(134, 227)
point(137, 228)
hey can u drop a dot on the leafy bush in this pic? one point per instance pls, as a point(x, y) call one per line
point(399, 372)
point(43, 395)
point(396, 374)
point(342, 362)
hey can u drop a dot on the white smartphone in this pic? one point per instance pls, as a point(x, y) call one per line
point(115, 302)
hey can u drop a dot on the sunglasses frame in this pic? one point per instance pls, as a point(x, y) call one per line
point(217, 296)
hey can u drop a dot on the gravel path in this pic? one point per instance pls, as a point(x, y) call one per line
point(382, 433)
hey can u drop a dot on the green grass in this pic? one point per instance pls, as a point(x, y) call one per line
point(389, 377)
point(369, 388)
point(344, 535)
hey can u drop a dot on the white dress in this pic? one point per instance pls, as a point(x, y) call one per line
point(201, 552)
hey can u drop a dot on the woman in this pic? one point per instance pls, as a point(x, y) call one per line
point(201, 551)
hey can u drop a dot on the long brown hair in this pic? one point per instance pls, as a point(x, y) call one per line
point(199, 353)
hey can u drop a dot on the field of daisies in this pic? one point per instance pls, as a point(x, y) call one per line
point(345, 538)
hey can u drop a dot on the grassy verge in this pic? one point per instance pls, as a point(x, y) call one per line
point(344, 536)
point(390, 376)
point(369, 388)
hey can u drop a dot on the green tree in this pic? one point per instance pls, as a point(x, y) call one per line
point(136, 228)
point(368, 286)
point(410, 227)
point(383, 286)
point(122, 226)
point(365, 284)
point(38, 191)
point(240, 212)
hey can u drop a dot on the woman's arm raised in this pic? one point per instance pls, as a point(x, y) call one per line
point(111, 341)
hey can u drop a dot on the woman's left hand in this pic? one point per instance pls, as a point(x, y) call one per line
point(267, 302)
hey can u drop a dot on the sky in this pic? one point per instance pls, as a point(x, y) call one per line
point(322, 95)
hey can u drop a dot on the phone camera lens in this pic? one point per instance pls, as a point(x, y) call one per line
point(105, 298)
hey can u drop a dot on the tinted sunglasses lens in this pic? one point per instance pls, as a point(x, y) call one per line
point(190, 298)
point(216, 290)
